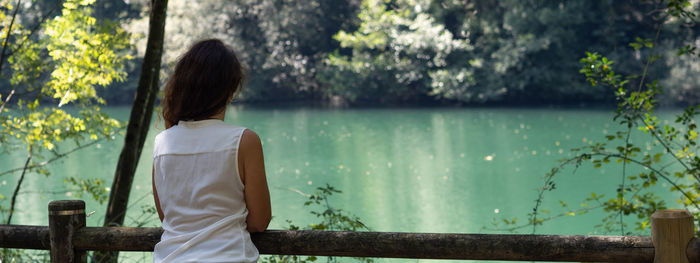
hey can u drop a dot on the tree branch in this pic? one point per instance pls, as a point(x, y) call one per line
point(621, 197)
point(2, 107)
point(646, 67)
point(567, 213)
point(19, 184)
point(35, 28)
point(668, 148)
point(660, 173)
point(56, 157)
point(7, 36)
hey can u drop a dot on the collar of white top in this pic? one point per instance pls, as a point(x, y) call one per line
point(199, 123)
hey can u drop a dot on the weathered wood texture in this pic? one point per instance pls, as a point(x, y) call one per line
point(671, 230)
point(377, 244)
point(457, 246)
point(118, 238)
point(693, 250)
point(28, 237)
point(65, 217)
point(403, 245)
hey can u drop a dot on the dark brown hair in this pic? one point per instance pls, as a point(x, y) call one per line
point(204, 81)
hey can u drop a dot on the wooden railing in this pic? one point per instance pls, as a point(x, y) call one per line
point(672, 241)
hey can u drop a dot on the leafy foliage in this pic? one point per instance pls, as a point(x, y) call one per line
point(670, 156)
point(94, 187)
point(399, 52)
point(60, 61)
point(81, 56)
point(282, 43)
point(432, 51)
point(86, 57)
point(332, 219)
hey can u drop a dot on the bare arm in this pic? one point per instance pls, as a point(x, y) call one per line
point(252, 170)
point(155, 194)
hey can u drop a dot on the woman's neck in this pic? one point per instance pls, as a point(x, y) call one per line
point(221, 115)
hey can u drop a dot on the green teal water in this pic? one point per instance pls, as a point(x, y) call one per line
point(409, 170)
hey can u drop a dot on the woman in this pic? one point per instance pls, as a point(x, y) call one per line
point(209, 179)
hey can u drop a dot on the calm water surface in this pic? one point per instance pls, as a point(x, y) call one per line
point(413, 170)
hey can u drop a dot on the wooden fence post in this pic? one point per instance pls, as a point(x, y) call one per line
point(671, 231)
point(65, 217)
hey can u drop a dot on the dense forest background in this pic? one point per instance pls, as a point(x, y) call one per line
point(397, 52)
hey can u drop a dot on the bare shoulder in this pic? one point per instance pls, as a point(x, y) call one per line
point(249, 139)
point(250, 157)
point(250, 142)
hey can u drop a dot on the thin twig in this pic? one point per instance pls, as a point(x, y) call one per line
point(35, 28)
point(129, 206)
point(568, 213)
point(2, 107)
point(621, 198)
point(58, 156)
point(7, 36)
point(55, 192)
point(548, 180)
point(668, 148)
point(538, 202)
point(653, 170)
point(19, 184)
point(582, 157)
point(646, 67)
point(295, 190)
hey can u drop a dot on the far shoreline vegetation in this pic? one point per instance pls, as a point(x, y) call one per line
point(416, 52)
point(427, 104)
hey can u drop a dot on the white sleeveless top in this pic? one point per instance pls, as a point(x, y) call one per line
point(201, 194)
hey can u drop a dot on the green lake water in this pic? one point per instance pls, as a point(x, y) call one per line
point(411, 170)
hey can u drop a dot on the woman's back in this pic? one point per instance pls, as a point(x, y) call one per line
point(201, 194)
point(209, 183)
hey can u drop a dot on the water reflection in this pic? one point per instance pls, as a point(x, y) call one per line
point(417, 170)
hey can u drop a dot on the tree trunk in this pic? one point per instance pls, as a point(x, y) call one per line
point(139, 122)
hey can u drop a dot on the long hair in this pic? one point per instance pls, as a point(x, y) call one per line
point(205, 80)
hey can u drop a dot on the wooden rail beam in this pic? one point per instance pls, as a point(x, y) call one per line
point(457, 246)
point(118, 238)
point(375, 244)
point(68, 239)
point(26, 237)
point(403, 245)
